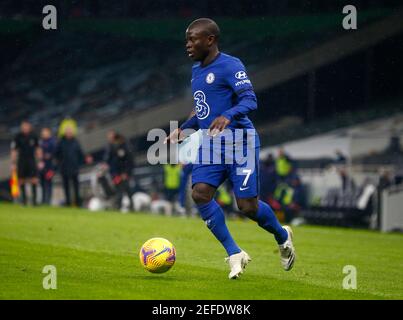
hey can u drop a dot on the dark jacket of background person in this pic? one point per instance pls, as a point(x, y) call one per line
point(48, 147)
point(70, 156)
point(26, 145)
point(47, 172)
point(119, 158)
point(268, 178)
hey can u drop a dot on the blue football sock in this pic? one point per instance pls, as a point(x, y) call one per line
point(213, 215)
point(268, 221)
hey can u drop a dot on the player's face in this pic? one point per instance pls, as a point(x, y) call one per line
point(197, 44)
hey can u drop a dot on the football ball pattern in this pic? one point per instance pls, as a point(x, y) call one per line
point(157, 255)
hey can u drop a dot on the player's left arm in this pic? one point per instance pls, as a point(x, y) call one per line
point(236, 78)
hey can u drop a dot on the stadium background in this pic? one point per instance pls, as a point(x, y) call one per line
point(321, 90)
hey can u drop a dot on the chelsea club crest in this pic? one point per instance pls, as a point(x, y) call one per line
point(210, 78)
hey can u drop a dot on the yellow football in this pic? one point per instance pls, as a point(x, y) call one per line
point(157, 255)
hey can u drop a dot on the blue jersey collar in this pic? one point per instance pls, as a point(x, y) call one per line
point(212, 61)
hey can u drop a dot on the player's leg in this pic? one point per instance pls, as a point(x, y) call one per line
point(205, 180)
point(245, 180)
point(262, 213)
point(244, 176)
point(212, 214)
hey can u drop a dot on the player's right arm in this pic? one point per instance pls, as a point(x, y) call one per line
point(177, 135)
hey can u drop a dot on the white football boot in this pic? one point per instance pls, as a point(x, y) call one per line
point(287, 251)
point(237, 263)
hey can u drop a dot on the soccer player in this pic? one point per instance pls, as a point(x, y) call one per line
point(223, 97)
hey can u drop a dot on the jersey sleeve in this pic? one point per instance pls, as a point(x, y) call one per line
point(191, 123)
point(237, 78)
point(245, 102)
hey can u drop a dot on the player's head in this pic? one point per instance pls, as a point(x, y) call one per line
point(26, 127)
point(201, 37)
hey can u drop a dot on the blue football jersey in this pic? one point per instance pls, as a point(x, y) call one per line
point(216, 89)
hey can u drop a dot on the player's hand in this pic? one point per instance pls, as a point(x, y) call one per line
point(174, 137)
point(218, 125)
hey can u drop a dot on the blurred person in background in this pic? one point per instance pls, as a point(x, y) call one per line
point(385, 179)
point(25, 152)
point(172, 174)
point(298, 200)
point(398, 179)
point(284, 165)
point(183, 185)
point(289, 198)
point(340, 158)
point(106, 167)
point(268, 178)
point(67, 122)
point(118, 159)
point(108, 163)
point(70, 158)
point(47, 167)
point(347, 182)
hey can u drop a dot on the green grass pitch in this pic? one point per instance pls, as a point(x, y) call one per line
point(96, 256)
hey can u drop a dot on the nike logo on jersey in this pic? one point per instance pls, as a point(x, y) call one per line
point(242, 189)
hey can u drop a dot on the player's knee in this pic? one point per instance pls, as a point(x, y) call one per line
point(249, 208)
point(201, 196)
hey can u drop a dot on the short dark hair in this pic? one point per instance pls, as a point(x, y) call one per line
point(209, 25)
